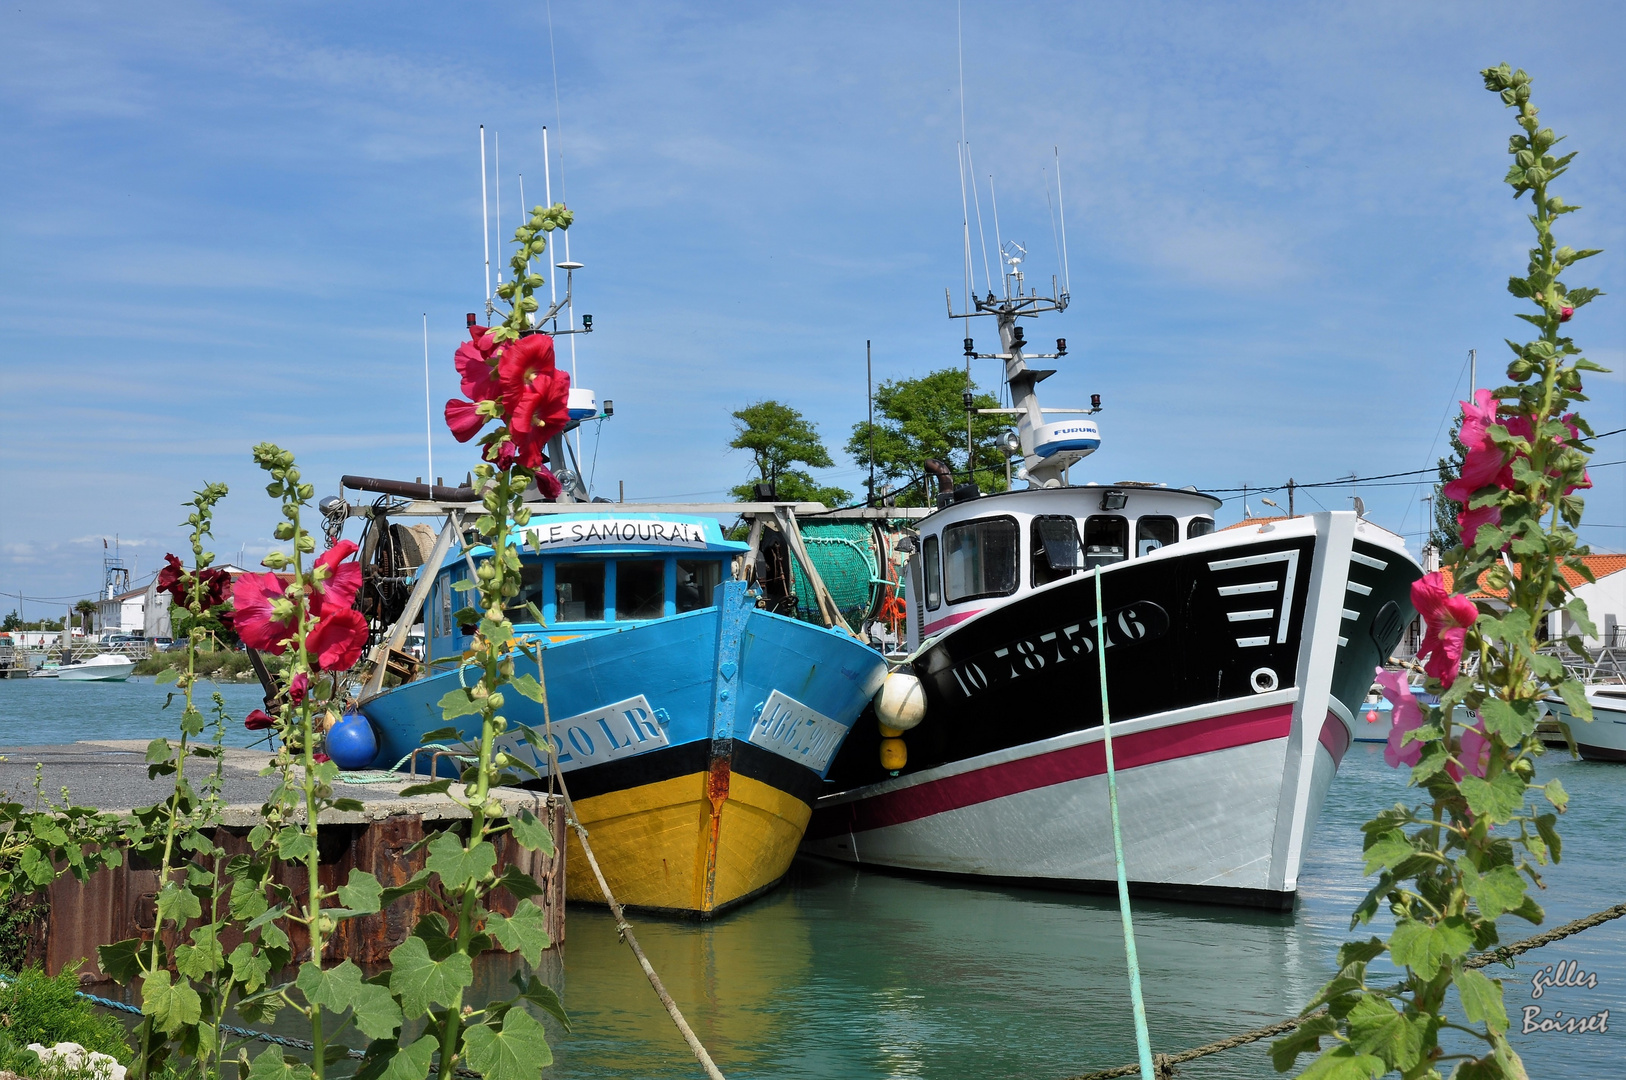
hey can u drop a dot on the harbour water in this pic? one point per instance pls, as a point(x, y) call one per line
point(854, 974)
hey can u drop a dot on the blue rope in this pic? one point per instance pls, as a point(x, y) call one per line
point(1143, 1040)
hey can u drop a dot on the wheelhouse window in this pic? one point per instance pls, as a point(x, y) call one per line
point(1056, 550)
point(578, 591)
point(640, 588)
point(530, 592)
point(1106, 540)
point(934, 586)
point(980, 558)
point(1154, 532)
point(697, 581)
point(1199, 526)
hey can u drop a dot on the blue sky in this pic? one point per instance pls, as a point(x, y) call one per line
point(222, 225)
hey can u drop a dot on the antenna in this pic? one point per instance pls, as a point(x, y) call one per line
point(869, 391)
point(428, 409)
point(530, 316)
point(547, 196)
point(1066, 271)
point(485, 221)
point(993, 199)
point(965, 223)
point(496, 168)
point(976, 201)
point(1052, 210)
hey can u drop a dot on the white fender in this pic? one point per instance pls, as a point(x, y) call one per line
point(901, 702)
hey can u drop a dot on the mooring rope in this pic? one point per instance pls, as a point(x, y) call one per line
point(1163, 1064)
point(1143, 1040)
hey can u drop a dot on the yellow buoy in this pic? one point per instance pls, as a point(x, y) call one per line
point(888, 732)
point(894, 754)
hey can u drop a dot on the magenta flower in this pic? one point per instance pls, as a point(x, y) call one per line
point(338, 639)
point(334, 581)
point(1474, 751)
point(252, 596)
point(258, 720)
point(1565, 312)
point(1446, 618)
point(298, 687)
point(1407, 716)
point(464, 419)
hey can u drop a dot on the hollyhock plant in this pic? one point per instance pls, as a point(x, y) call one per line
point(1406, 716)
point(464, 419)
point(334, 582)
point(259, 720)
point(256, 599)
point(1446, 619)
point(337, 641)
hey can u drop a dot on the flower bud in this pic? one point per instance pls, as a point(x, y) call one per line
point(1565, 312)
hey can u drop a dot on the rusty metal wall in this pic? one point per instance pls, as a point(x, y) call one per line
point(117, 903)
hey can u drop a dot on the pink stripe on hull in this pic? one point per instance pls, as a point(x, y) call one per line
point(1056, 767)
point(1335, 737)
point(949, 620)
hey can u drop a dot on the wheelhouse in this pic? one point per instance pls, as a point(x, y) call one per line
point(986, 551)
point(591, 574)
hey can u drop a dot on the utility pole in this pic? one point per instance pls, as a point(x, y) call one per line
point(1290, 486)
point(869, 392)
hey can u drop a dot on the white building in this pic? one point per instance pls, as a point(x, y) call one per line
point(1605, 599)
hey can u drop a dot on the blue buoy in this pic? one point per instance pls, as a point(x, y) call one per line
point(351, 743)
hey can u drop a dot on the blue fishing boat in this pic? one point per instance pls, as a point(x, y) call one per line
point(694, 727)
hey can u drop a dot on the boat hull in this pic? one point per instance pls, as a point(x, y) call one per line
point(1604, 739)
point(97, 669)
point(1226, 732)
point(693, 747)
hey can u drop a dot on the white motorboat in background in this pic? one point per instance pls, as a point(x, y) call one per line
point(1604, 739)
point(108, 667)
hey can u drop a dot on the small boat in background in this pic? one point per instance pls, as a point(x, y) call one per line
point(108, 667)
point(1604, 739)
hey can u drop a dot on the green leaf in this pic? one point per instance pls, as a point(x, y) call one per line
point(1554, 792)
point(1499, 889)
point(295, 845)
point(543, 996)
point(444, 734)
point(1507, 1058)
point(271, 1065)
point(171, 1005)
point(518, 1052)
point(436, 934)
point(200, 960)
point(457, 865)
point(1376, 1027)
point(532, 833)
point(386, 1060)
point(1387, 851)
point(457, 703)
point(1499, 799)
point(341, 987)
point(1482, 999)
point(159, 751)
point(249, 967)
point(1511, 721)
point(518, 884)
point(419, 881)
point(438, 787)
point(1547, 826)
point(1424, 947)
point(168, 675)
point(1342, 1063)
point(524, 932)
point(421, 982)
point(176, 904)
point(1574, 695)
point(362, 894)
point(122, 960)
point(527, 685)
point(1359, 952)
point(1301, 1040)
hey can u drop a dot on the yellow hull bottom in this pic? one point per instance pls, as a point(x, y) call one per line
point(690, 845)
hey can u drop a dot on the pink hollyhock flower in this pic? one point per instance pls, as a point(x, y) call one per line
point(338, 639)
point(1485, 462)
point(320, 758)
point(334, 581)
point(535, 392)
point(252, 595)
point(1407, 716)
point(258, 720)
point(473, 362)
point(298, 687)
point(1447, 618)
point(547, 483)
point(1565, 312)
point(1474, 751)
point(1469, 521)
point(463, 419)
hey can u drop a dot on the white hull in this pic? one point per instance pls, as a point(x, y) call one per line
point(1197, 821)
point(1604, 739)
point(106, 668)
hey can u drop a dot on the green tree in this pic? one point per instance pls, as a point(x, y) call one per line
point(778, 437)
point(87, 612)
point(13, 621)
point(925, 418)
point(1443, 532)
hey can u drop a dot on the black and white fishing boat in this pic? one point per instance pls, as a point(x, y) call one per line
point(1236, 662)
